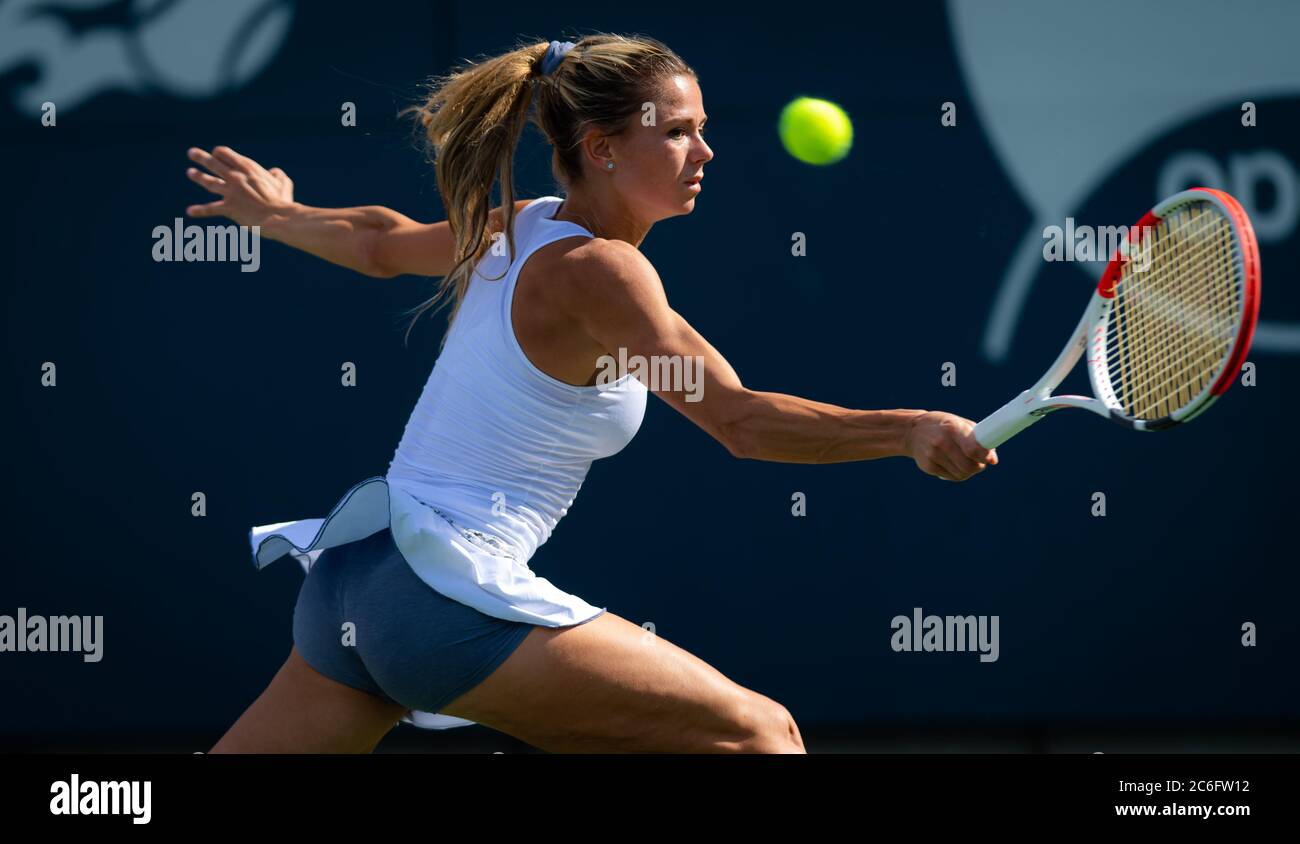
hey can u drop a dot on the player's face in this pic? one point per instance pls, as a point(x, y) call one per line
point(663, 150)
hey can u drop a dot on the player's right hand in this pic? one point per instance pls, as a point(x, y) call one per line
point(944, 445)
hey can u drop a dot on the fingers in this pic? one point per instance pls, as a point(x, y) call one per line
point(968, 460)
point(204, 159)
point(955, 463)
point(232, 159)
point(211, 209)
point(960, 467)
point(237, 163)
point(950, 450)
point(212, 183)
point(942, 466)
point(965, 456)
point(974, 451)
point(225, 162)
point(218, 186)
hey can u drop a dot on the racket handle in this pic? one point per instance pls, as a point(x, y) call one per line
point(1007, 421)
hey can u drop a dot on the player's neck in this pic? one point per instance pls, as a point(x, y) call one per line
point(604, 216)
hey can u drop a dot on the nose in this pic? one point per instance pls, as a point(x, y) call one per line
point(703, 153)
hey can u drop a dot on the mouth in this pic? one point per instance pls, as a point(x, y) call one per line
point(694, 182)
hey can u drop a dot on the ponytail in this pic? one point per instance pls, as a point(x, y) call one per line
point(472, 120)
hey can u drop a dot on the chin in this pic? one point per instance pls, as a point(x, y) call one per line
point(678, 210)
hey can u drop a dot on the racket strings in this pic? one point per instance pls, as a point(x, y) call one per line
point(1166, 328)
point(1201, 359)
point(1160, 306)
point(1176, 312)
point(1169, 315)
point(1157, 309)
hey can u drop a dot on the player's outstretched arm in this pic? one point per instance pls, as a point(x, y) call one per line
point(616, 295)
point(369, 239)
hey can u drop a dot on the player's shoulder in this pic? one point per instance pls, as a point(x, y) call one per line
point(600, 266)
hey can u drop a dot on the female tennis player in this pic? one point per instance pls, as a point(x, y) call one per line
point(419, 603)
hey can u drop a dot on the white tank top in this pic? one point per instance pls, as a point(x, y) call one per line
point(497, 446)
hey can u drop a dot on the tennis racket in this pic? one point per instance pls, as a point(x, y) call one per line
point(1168, 327)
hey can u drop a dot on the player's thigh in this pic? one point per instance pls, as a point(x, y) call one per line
point(608, 686)
point(303, 711)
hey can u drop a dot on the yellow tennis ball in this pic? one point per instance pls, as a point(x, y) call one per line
point(815, 131)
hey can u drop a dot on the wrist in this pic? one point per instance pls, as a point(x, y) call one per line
point(280, 218)
point(906, 430)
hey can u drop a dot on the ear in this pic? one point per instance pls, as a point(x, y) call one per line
point(596, 148)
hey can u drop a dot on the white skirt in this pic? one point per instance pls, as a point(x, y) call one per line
point(455, 561)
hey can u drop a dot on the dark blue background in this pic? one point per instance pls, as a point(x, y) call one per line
point(176, 378)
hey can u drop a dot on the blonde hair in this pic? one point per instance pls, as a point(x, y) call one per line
point(473, 118)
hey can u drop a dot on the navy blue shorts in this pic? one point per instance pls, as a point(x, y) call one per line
point(413, 645)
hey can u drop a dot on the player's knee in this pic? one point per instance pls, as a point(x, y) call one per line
point(768, 727)
point(795, 736)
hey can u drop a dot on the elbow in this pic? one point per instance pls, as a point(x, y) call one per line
point(368, 255)
point(373, 269)
point(738, 431)
point(738, 440)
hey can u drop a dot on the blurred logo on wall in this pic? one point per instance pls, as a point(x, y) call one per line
point(1113, 105)
point(68, 51)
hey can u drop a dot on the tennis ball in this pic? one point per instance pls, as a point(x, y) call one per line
point(815, 131)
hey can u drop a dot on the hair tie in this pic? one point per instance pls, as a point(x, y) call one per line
point(554, 55)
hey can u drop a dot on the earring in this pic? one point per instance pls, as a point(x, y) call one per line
point(609, 165)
